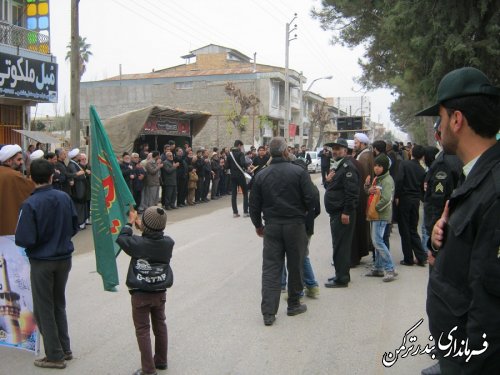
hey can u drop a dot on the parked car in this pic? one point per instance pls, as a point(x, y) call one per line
point(315, 166)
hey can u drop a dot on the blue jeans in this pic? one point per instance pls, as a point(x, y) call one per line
point(309, 278)
point(425, 236)
point(383, 259)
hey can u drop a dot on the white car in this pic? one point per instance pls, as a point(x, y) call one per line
point(315, 166)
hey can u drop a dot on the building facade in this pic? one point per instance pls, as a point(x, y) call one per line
point(28, 71)
point(215, 80)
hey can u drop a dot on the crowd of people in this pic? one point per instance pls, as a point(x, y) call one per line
point(368, 187)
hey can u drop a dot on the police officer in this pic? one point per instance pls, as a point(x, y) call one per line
point(463, 297)
point(341, 200)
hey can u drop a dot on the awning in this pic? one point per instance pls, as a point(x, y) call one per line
point(41, 137)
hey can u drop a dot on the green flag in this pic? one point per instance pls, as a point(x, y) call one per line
point(111, 199)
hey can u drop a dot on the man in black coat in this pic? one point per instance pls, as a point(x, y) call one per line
point(169, 181)
point(236, 164)
point(409, 187)
point(283, 194)
point(341, 201)
point(463, 295)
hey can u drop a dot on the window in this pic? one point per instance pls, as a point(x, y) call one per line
point(183, 85)
point(4, 10)
point(275, 94)
point(17, 14)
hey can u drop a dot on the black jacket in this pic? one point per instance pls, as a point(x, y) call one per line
point(464, 285)
point(325, 157)
point(342, 193)
point(409, 180)
point(152, 247)
point(282, 192)
point(441, 178)
point(240, 159)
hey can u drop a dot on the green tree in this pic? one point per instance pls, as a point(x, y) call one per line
point(39, 126)
point(411, 45)
point(84, 52)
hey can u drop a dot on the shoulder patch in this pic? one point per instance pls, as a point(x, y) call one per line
point(441, 175)
point(348, 174)
point(345, 165)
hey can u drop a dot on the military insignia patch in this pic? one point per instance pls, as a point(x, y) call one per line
point(348, 174)
point(441, 175)
point(439, 188)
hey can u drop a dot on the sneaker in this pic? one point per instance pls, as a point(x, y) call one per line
point(296, 310)
point(236, 215)
point(46, 363)
point(312, 291)
point(68, 356)
point(269, 320)
point(375, 273)
point(390, 276)
point(246, 214)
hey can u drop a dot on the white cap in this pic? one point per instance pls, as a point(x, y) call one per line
point(36, 155)
point(350, 144)
point(73, 153)
point(362, 137)
point(8, 151)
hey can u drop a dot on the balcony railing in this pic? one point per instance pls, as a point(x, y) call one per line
point(16, 36)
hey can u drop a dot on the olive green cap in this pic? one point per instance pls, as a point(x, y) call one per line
point(458, 83)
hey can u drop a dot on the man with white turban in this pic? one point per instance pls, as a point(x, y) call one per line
point(361, 239)
point(14, 186)
point(78, 183)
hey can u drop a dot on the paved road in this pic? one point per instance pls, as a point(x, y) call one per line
point(213, 310)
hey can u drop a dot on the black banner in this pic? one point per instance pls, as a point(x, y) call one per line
point(25, 78)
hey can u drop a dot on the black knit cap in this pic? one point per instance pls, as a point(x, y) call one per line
point(383, 161)
point(154, 219)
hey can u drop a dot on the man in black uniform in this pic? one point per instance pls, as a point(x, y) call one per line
point(283, 193)
point(463, 295)
point(407, 195)
point(341, 200)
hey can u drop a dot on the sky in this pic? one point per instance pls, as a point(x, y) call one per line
point(143, 35)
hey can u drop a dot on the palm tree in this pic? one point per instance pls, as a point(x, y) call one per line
point(84, 51)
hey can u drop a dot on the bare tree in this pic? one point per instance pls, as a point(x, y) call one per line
point(245, 102)
point(319, 118)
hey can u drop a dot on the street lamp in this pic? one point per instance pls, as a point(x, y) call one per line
point(302, 104)
point(317, 79)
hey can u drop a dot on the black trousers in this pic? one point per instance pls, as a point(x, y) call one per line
point(206, 188)
point(181, 191)
point(281, 239)
point(235, 182)
point(169, 195)
point(48, 285)
point(199, 188)
point(341, 243)
point(324, 173)
point(407, 225)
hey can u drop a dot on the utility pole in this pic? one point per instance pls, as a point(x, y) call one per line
point(287, 83)
point(75, 77)
point(301, 111)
